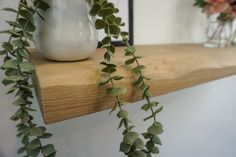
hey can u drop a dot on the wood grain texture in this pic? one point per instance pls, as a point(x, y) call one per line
point(69, 89)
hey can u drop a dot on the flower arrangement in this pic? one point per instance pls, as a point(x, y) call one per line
point(225, 8)
point(224, 11)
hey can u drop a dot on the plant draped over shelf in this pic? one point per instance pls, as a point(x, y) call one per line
point(18, 71)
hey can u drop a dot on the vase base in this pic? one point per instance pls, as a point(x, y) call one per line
point(216, 45)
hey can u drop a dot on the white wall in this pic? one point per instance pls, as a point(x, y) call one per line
point(199, 121)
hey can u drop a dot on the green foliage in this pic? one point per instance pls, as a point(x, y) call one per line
point(18, 72)
point(200, 3)
point(132, 145)
point(156, 128)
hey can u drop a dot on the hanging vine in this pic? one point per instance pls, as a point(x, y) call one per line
point(156, 128)
point(111, 24)
point(132, 145)
point(18, 71)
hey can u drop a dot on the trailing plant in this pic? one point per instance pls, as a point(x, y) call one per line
point(18, 71)
point(111, 24)
point(156, 128)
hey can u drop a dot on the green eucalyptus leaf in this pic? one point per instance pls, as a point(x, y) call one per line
point(116, 10)
point(156, 129)
point(114, 30)
point(144, 87)
point(138, 153)
point(21, 150)
point(34, 144)
point(124, 147)
point(14, 78)
point(23, 53)
point(27, 25)
point(26, 66)
point(48, 149)
point(12, 89)
point(130, 61)
point(17, 115)
point(108, 5)
point(118, 20)
point(7, 46)
point(3, 52)
point(26, 131)
point(37, 131)
point(104, 82)
point(117, 78)
point(42, 4)
point(10, 10)
point(100, 24)
point(150, 144)
point(52, 155)
point(14, 33)
point(5, 32)
point(148, 106)
point(25, 140)
point(106, 42)
point(30, 109)
point(124, 34)
point(156, 140)
point(130, 137)
point(17, 43)
point(130, 51)
point(105, 12)
point(139, 144)
point(14, 24)
point(122, 114)
point(10, 64)
point(34, 152)
point(25, 119)
point(28, 7)
point(109, 70)
point(116, 91)
point(19, 134)
point(95, 9)
point(138, 69)
point(155, 150)
point(147, 135)
point(27, 14)
point(46, 135)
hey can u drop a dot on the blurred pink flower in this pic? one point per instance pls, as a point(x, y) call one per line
point(217, 1)
point(218, 7)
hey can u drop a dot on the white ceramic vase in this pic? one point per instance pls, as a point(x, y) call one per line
point(69, 32)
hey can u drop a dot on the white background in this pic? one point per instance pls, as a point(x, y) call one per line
point(199, 121)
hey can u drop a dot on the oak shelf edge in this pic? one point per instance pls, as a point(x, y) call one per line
point(69, 89)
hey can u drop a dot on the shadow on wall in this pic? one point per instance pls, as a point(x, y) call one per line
point(185, 21)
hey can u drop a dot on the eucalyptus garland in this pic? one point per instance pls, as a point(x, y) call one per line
point(18, 71)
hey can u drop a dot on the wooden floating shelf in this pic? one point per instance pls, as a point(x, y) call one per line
point(69, 89)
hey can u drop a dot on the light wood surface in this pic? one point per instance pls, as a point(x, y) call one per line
point(69, 89)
